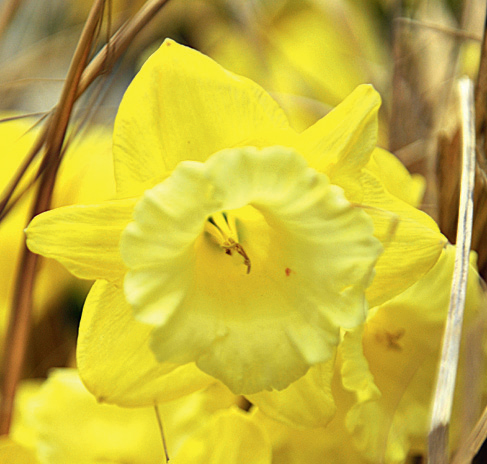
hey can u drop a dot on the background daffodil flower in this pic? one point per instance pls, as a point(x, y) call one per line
point(228, 235)
point(308, 54)
point(390, 364)
point(59, 421)
point(12, 452)
point(85, 176)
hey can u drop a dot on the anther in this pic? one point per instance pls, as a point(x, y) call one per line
point(222, 227)
point(230, 245)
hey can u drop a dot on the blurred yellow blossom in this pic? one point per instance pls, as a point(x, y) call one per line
point(85, 176)
point(230, 437)
point(60, 422)
point(12, 452)
point(402, 345)
point(309, 54)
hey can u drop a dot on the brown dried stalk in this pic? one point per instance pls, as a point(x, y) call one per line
point(481, 97)
point(103, 61)
point(119, 42)
point(449, 165)
point(419, 104)
point(54, 134)
point(478, 435)
point(443, 400)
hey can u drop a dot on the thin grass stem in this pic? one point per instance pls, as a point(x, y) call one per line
point(161, 431)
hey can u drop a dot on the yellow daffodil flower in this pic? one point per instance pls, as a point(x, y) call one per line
point(239, 244)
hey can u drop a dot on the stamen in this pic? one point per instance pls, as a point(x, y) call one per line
point(239, 249)
point(223, 228)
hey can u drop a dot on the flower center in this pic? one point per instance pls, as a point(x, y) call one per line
point(222, 228)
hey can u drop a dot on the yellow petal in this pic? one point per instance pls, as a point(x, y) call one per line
point(63, 423)
point(14, 453)
point(306, 403)
point(412, 241)
point(343, 140)
point(355, 373)
point(114, 359)
point(21, 430)
point(86, 173)
point(231, 437)
point(85, 239)
point(192, 107)
point(290, 445)
point(375, 435)
point(73, 428)
point(396, 178)
point(305, 258)
point(367, 421)
point(403, 336)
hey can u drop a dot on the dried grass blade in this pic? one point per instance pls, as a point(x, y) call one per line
point(19, 326)
point(440, 28)
point(443, 399)
point(481, 88)
point(8, 12)
point(119, 42)
point(12, 185)
point(104, 60)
